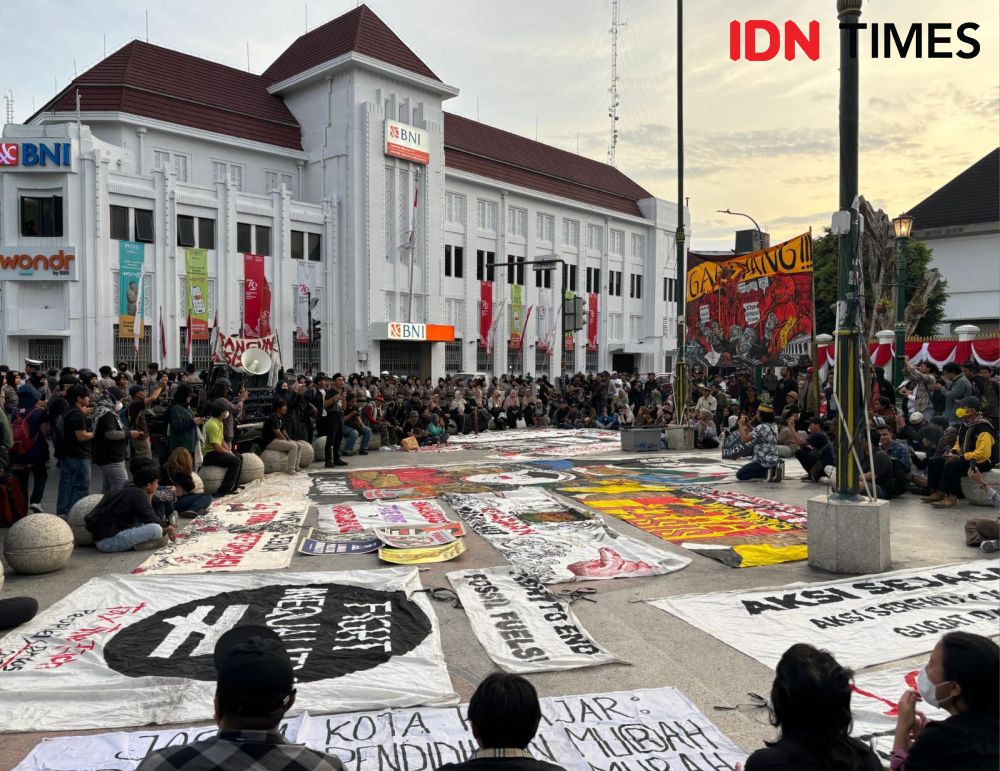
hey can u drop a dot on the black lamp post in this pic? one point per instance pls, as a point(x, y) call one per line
point(903, 225)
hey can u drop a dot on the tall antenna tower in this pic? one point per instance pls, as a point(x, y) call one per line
point(616, 25)
point(9, 104)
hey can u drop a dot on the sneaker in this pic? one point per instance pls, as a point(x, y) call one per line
point(189, 514)
point(933, 498)
point(36, 508)
point(340, 463)
point(328, 464)
point(152, 544)
point(990, 546)
point(362, 452)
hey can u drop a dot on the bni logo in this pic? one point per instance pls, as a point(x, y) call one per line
point(9, 155)
point(394, 132)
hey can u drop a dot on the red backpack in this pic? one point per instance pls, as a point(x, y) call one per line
point(23, 440)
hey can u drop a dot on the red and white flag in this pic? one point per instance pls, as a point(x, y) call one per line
point(163, 337)
point(137, 323)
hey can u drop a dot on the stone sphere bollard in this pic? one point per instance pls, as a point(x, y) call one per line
point(38, 543)
point(211, 477)
point(274, 461)
point(253, 468)
point(77, 519)
point(307, 455)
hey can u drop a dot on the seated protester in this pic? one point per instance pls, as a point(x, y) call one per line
point(811, 707)
point(976, 444)
point(895, 449)
point(706, 433)
point(881, 478)
point(274, 436)
point(372, 415)
point(961, 678)
point(255, 687)
point(607, 419)
point(494, 405)
point(512, 406)
point(911, 430)
point(417, 429)
point(178, 472)
point(529, 406)
point(789, 441)
point(354, 426)
point(219, 453)
point(457, 411)
point(504, 714)
point(817, 453)
point(764, 437)
point(125, 520)
point(437, 431)
point(983, 533)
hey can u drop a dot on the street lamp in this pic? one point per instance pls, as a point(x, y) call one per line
point(903, 224)
point(741, 214)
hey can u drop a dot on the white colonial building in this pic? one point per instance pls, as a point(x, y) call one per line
point(318, 159)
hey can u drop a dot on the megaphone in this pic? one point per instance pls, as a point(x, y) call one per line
point(256, 362)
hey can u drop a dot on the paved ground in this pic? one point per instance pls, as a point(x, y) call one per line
point(662, 649)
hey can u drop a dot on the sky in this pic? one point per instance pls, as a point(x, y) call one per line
point(760, 137)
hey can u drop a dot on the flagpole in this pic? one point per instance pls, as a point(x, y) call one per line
point(680, 380)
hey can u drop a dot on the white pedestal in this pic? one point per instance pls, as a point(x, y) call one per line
point(849, 537)
point(679, 437)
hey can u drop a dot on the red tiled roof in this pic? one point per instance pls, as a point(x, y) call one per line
point(154, 82)
point(359, 30)
point(491, 152)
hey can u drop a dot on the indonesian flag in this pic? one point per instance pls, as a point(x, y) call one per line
point(137, 324)
point(163, 336)
point(214, 335)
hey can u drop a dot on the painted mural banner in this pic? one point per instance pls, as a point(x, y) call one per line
point(232, 536)
point(422, 555)
point(655, 729)
point(196, 269)
point(430, 482)
point(751, 310)
point(141, 646)
point(325, 542)
point(862, 621)
point(356, 517)
point(522, 626)
point(553, 541)
point(130, 258)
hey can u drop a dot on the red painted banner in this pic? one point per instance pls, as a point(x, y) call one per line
point(256, 298)
point(592, 322)
point(485, 312)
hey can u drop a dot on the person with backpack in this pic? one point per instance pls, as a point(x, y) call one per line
point(124, 520)
point(976, 445)
point(29, 452)
point(75, 436)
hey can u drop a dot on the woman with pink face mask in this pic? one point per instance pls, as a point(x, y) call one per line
point(962, 678)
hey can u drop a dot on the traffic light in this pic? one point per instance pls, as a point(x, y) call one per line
point(315, 332)
point(573, 314)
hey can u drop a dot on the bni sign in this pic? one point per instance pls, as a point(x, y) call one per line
point(407, 142)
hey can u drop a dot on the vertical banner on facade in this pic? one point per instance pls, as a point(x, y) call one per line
point(305, 290)
point(516, 316)
point(485, 312)
point(592, 322)
point(751, 310)
point(130, 257)
point(196, 267)
point(256, 298)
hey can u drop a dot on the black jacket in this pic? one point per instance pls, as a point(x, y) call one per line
point(121, 510)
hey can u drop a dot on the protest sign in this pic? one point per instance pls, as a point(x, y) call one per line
point(415, 539)
point(420, 555)
point(522, 626)
point(123, 650)
point(355, 517)
point(328, 487)
point(554, 541)
point(325, 542)
point(862, 621)
point(232, 536)
point(457, 529)
point(651, 729)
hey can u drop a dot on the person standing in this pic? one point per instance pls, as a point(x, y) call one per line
point(77, 443)
point(333, 402)
point(183, 424)
point(111, 439)
point(955, 388)
point(30, 456)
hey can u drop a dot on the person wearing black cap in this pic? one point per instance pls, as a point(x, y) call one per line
point(111, 439)
point(976, 445)
point(255, 688)
point(125, 520)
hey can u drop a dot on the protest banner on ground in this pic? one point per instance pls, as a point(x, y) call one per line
point(522, 626)
point(355, 517)
point(421, 555)
point(431, 482)
point(651, 729)
point(415, 539)
point(862, 621)
point(232, 536)
point(123, 650)
point(738, 536)
point(554, 541)
point(457, 529)
point(327, 488)
point(324, 542)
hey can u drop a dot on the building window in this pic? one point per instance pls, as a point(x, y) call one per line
point(545, 227)
point(454, 258)
point(447, 260)
point(571, 233)
point(541, 362)
point(484, 265)
point(253, 239)
point(515, 273)
point(615, 330)
point(669, 289)
point(617, 243)
point(593, 357)
point(201, 351)
point(47, 350)
point(614, 283)
point(185, 230)
point(635, 286)
point(543, 279)
point(262, 239)
point(595, 238)
point(453, 357)
point(638, 247)
point(124, 350)
point(593, 279)
point(486, 215)
point(514, 361)
point(517, 221)
point(635, 327)
point(244, 238)
point(454, 208)
point(298, 245)
point(206, 233)
point(306, 245)
point(568, 277)
point(42, 216)
point(484, 360)
point(144, 225)
point(119, 222)
point(305, 355)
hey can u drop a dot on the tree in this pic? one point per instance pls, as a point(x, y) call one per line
point(926, 290)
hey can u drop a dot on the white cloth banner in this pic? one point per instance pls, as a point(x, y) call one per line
point(356, 517)
point(654, 729)
point(862, 621)
point(232, 536)
point(874, 706)
point(555, 541)
point(522, 626)
point(305, 290)
point(123, 650)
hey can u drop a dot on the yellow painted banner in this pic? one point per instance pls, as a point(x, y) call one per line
point(790, 257)
point(422, 555)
